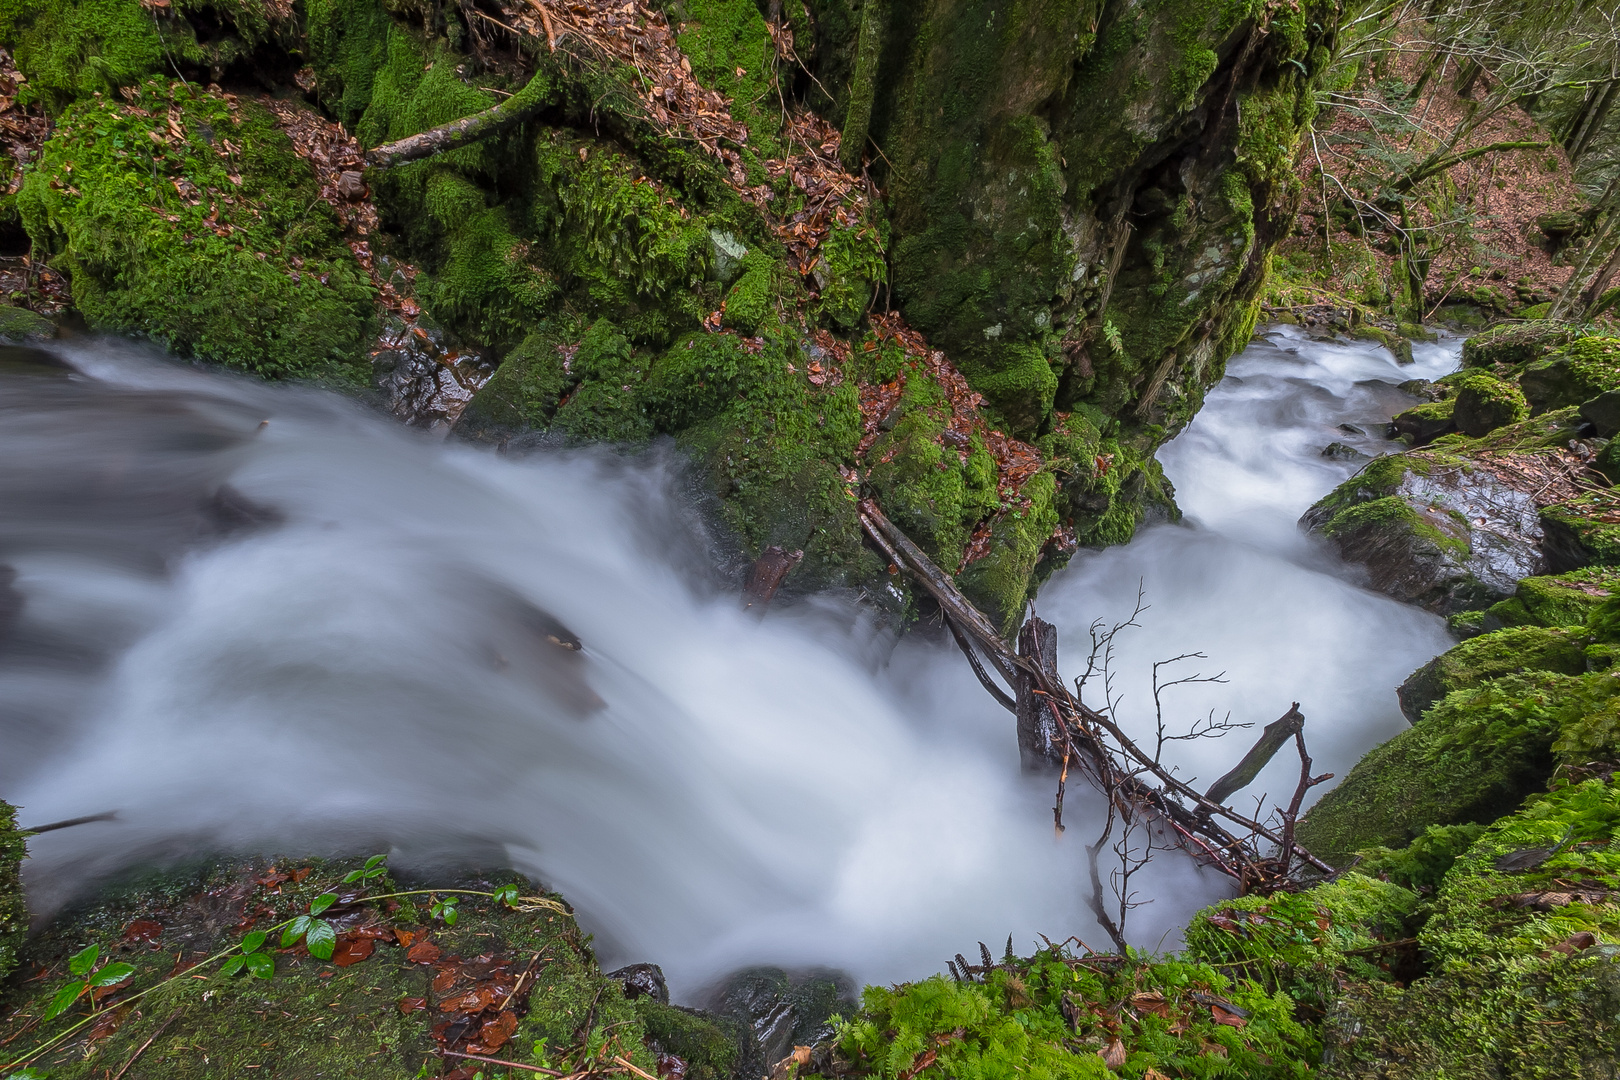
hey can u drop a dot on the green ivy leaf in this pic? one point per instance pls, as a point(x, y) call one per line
point(322, 902)
point(113, 974)
point(253, 942)
point(233, 965)
point(321, 939)
point(262, 965)
point(63, 1000)
point(83, 962)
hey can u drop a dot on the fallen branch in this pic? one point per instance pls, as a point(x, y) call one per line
point(1259, 756)
point(139, 1050)
point(498, 1061)
point(469, 129)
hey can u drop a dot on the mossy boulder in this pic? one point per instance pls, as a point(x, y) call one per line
point(185, 216)
point(1525, 648)
point(1577, 534)
point(1559, 600)
point(13, 912)
point(1483, 403)
point(1512, 345)
point(1572, 374)
point(21, 325)
point(1603, 413)
point(1399, 346)
point(1433, 530)
point(1475, 756)
point(1422, 424)
point(1525, 975)
point(379, 1012)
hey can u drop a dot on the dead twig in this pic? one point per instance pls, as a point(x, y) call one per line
point(141, 1049)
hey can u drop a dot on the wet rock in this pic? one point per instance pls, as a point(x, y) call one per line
point(1484, 403)
point(1603, 413)
point(1395, 343)
point(18, 325)
point(1421, 388)
point(1422, 424)
point(1520, 648)
point(426, 383)
point(1351, 429)
point(642, 980)
point(1564, 379)
point(780, 1010)
point(1339, 451)
point(1432, 531)
point(1516, 343)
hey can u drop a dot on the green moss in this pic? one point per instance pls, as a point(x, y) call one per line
point(731, 51)
point(348, 45)
point(606, 406)
point(709, 1052)
point(525, 390)
point(1001, 581)
point(1578, 529)
point(1475, 756)
point(75, 48)
point(247, 268)
point(1513, 344)
point(1483, 403)
point(1489, 656)
point(20, 324)
point(1560, 600)
point(1051, 1016)
point(311, 1019)
point(1572, 374)
point(752, 305)
point(1423, 863)
point(852, 268)
point(1302, 944)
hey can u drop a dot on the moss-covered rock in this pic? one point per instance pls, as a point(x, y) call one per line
point(1512, 345)
point(1422, 424)
point(1559, 600)
point(13, 912)
point(1433, 530)
point(1572, 374)
point(376, 1013)
point(19, 325)
point(185, 216)
point(1483, 403)
point(1525, 980)
point(1526, 648)
point(1475, 756)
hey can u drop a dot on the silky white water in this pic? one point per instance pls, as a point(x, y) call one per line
point(258, 618)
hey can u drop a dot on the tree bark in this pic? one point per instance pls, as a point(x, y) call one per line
point(1271, 740)
point(1039, 741)
point(862, 87)
point(1594, 122)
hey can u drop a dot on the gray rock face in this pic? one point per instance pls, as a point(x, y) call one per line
point(1441, 536)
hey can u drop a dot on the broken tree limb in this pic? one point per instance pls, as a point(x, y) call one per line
point(983, 676)
point(1260, 754)
point(1040, 735)
point(766, 575)
point(469, 129)
point(1092, 742)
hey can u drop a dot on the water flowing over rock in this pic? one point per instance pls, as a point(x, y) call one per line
point(1434, 532)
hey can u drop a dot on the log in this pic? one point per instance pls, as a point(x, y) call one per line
point(766, 576)
point(1276, 733)
point(469, 129)
point(1040, 743)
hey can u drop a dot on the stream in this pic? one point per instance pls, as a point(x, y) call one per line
point(265, 618)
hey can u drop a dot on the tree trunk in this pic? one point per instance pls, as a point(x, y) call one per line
point(1040, 744)
point(862, 86)
point(1594, 122)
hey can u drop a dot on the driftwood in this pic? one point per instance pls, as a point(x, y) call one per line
point(1260, 754)
point(469, 129)
point(1091, 741)
point(766, 575)
point(109, 815)
point(1040, 742)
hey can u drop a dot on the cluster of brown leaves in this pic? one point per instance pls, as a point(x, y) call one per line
point(22, 131)
point(337, 158)
point(1558, 475)
point(475, 1000)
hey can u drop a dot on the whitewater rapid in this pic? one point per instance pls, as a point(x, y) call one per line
point(260, 618)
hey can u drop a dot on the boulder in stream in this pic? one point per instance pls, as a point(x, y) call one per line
point(1433, 530)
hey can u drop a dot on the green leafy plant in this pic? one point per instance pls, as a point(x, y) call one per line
point(87, 980)
point(317, 934)
point(374, 868)
point(261, 964)
point(1112, 336)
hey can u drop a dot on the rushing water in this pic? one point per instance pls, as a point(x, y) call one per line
point(262, 618)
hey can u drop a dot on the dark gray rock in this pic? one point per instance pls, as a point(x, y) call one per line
point(780, 1010)
point(1603, 413)
point(642, 980)
point(1339, 451)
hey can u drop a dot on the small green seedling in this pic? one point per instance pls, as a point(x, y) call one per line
point(83, 968)
point(319, 937)
point(374, 868)
point(257, 963)
point(445, 908)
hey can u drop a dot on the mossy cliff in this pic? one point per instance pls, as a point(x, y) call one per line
point(13, 915)
point(1076, 234)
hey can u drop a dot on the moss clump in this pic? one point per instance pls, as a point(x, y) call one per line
point(605, 405)
point(312, 1018)
point(526, 389)
point(20, 324)
point(1513, 344)
point(1484, 403)
point(1560, 600)
point(75, 48)
point(1526, 648)
point(1302, 944)
point(208, 236)
point(1475, 756)
point(1575, 373)
point(1421, 864)
point(1001, 581)
point(348, 45)
point(1422, 424)
point(13, 912)
point(709, 1052)
point(1578, 532)
point(1054, 1016)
